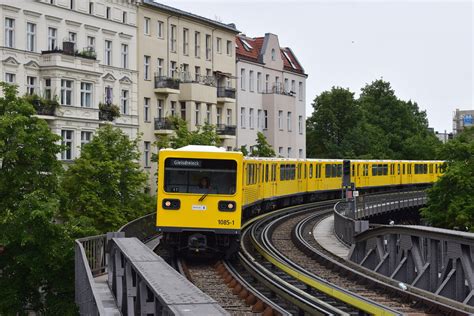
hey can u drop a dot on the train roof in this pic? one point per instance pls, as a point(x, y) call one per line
point(202, 148)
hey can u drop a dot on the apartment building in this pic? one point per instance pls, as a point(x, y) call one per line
point(462, 119)
point(79, 53)
point(186, 69)
point(270, 95)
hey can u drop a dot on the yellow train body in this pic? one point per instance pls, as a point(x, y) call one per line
point(240, 187)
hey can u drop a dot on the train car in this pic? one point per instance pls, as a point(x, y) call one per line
point(200, 198)
point(206, 193)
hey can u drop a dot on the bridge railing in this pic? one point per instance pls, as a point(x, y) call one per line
point(142, 228)
point(350, 218)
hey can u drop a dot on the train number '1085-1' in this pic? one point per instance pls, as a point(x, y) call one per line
point(225, 222)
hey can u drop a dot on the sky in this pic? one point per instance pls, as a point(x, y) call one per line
point(423, 48)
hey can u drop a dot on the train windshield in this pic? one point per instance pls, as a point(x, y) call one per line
point(206, 176)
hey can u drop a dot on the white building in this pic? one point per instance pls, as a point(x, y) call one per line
point(270, 95)
point(78, 52)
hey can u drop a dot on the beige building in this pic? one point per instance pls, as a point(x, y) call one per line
point(80, 53)
point(186, 69)
point(270, 96)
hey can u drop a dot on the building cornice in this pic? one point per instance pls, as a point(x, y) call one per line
point(73, 23)
point(53, 18)
point(91, 27)
point(10, 8)
point(109, 32)
point(32, 13)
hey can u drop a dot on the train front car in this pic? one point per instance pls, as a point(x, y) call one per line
point(200, 199)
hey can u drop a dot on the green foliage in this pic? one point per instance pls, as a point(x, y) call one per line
point(263, 148)
point(42, 105)
point(108, 111)
point(203, 135)
point(106, 183)
point(450, 200)
point(27, 151)
point(376, 125)
point(243, 149)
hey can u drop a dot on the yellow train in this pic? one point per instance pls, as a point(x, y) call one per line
point(205, 193)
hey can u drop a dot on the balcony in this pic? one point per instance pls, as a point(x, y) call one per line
point(278, 88)
point(43, 106)
point(225, 130)
point(108, 112)
point(163, 125)
point(225, 94)
point(69, 49)
point(166, 85)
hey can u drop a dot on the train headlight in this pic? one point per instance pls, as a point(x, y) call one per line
point(171, 204)
point(226, 206)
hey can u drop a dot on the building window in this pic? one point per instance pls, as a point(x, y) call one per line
point(10, 78)
point(67, 143)
point(31, 37)
point(146, 67)
point(124, 56)
point(242, 117)
point(259, 120)
point(183, 110)
point(208, 114)
point(173, 38)
point(124, 17)
point(86, 94)
point(109, 95)
point(219, 45)
point(208, 47)
point(251, 118)
point(173, 108)
point(267, 83)
point(124, 102)
point(91, 7)
point(280, 120)
point(280, 151)
point(73, 37)
point(229, 116)
point(30, 85)
point(300, 153)
point(197, 73)
point(290, 153)
point(287, 85)
point(66, 92)
point(86, 138)
point(186, 76)
point(300, 91)
point(146, 110)
point(91, 43)
point(208, 72)
point(293, 87)
point(107, 13)
point(159, 69)
point(259, 82)
point(273, 54)
point(288, 121)
point(160, 29)
point(47, 88)
point(197, 44)
point(186, 42)
point(146, 27)
point(265, 119)
point(300, 124)
point(71, 4)
point(9, 32)
point(229, 48)
point(196, 119)
point(52, 38)
point(147, 154)
point(108, 53)
point(159, 108)
point(219, 116)
point(251, 80)
point(242, 79)
point(172, 69)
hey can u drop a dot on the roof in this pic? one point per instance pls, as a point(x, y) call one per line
point(202, 148)
point(229, 27)
point(253, 50)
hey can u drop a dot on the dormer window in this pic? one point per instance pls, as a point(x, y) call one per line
point(247, 46)
point(273, 54)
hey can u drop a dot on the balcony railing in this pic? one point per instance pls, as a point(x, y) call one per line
point(224, 92)
point(68, 49)
point(278, 88)
point(223, 129)
point(166, 82)
point(163, 124)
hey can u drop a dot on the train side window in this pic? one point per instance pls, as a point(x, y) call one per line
point(310, 171)
point(274, 171)
point(328, 170)
point(398, 169)
point(299, 171)
point(339, 170)
point(403, 165)
point(305, 174)
point(266, 172)
point(374, 169)
point(385, 169)
point(353, 170)
point(358, 169)
point(282, 172)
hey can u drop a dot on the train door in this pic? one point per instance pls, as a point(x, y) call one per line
point(300, 177)
point(260, 187)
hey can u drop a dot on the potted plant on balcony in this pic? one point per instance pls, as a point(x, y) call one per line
point(108, 111)
point(43, 106)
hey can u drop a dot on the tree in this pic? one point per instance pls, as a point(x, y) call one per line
point(28, 151)
point(450, 200)
point(335, 114)
point(106, 183)
point(262, 148)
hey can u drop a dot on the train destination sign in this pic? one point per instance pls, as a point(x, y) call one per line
point(187, 163)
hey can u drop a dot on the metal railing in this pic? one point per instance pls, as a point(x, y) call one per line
point(163, 123)
point(223, 129)
point(278, 88)
point(166, 82)
point(142, 228)
point(225, 92)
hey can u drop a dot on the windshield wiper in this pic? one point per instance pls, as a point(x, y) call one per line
point(203, 197)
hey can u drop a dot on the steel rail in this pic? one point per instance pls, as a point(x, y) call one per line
point(371, 277)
